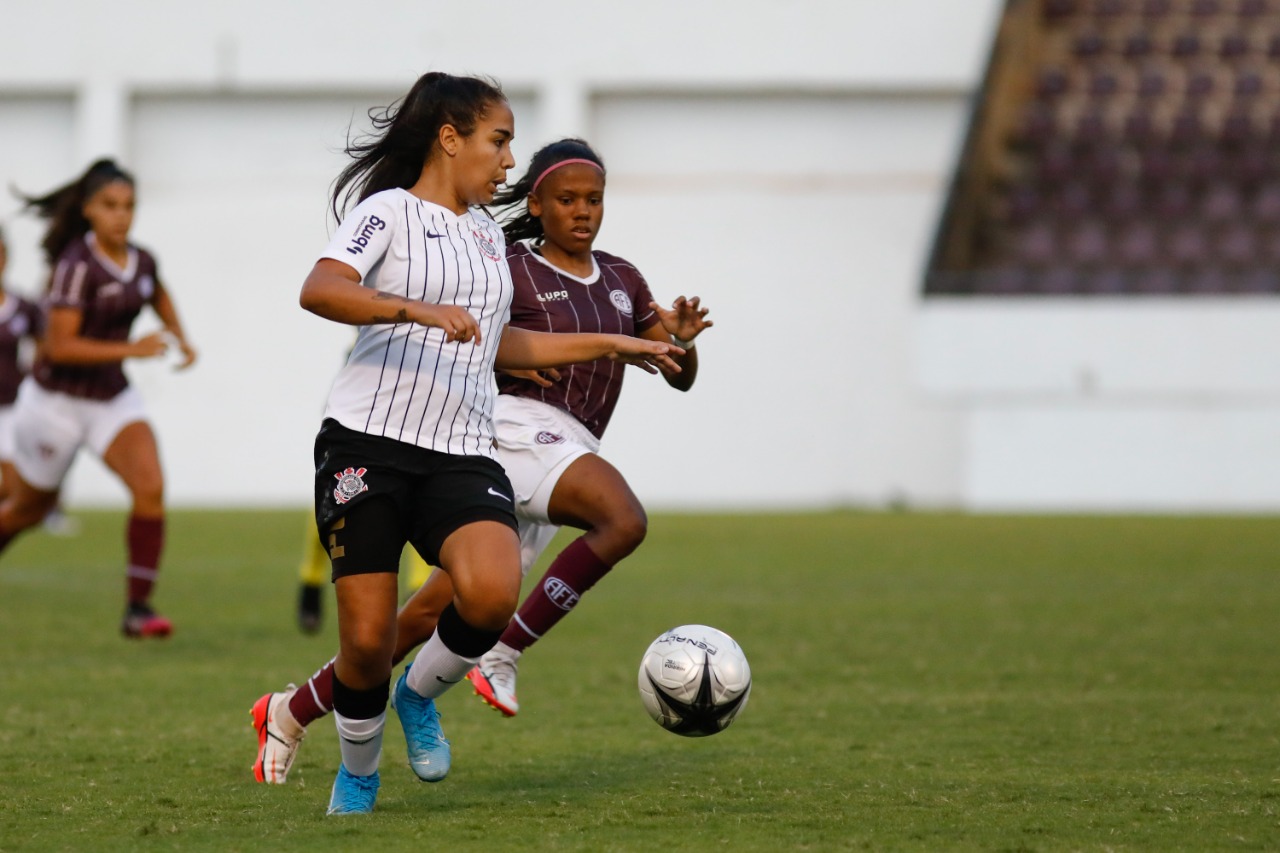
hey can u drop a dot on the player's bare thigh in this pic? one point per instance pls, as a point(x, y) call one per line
point(135, 459)
point(593, 495)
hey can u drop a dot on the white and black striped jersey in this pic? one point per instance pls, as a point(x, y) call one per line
point(404, 381)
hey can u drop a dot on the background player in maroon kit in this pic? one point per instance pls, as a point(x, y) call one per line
point(19, 319)
point(78, 394)
point(548, 427)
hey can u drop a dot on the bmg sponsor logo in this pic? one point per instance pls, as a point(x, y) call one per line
point(368, 226)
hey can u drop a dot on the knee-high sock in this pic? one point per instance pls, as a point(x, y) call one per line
point(574, 571)
point(449, 655)
point(145, 540)
point(314, 699)
point(360, 716)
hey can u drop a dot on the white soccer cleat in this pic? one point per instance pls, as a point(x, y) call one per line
point(276, 750)
point(494, 679)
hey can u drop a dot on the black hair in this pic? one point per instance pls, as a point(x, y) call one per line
point(405, 134)
point(63, 206)
point(519, 223)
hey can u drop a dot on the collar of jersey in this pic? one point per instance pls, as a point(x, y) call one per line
point(440, 207)
point(591, 279)
point(130, 267)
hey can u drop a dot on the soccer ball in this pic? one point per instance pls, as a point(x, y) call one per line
point(694, 680)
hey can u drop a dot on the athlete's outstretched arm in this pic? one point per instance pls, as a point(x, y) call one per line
point(522, 349)
point(333, 291)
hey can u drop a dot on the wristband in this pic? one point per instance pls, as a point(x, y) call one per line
point(684, 345)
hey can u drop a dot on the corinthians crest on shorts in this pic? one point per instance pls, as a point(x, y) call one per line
point(350, 484)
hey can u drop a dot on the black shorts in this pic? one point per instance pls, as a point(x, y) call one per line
point(374, 494)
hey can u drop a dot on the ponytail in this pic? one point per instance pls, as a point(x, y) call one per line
point(405, 134)
point(63, 207)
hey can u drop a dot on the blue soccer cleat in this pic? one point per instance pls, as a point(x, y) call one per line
point(353, 794)
point(428, 749)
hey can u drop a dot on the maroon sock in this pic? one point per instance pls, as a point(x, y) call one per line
point(314, 699)
point(574, 571)
point(145, 540)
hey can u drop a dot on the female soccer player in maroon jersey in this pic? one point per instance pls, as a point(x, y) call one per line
point(548, 427)
point(19, 319)
point(78, 394)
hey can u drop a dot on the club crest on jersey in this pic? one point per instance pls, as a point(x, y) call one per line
point(486, 244)
point(545, 437)
point(350, 484)
point(620, 301)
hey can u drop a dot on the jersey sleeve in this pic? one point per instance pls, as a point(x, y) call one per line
point(645, 317)
point(69, 284)
point(365, 233)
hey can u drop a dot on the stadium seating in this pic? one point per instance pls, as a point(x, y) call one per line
point(1120, 147)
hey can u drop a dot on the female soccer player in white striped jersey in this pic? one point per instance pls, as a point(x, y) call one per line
point(78, 394)
point(549, 426)
point(406, 452)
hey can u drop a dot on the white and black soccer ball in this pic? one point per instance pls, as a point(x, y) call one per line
point(694, 680)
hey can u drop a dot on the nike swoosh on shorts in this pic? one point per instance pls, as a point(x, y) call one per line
point(499, 495)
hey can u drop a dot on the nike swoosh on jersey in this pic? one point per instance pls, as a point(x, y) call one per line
point(499, 495)
point(429, 234)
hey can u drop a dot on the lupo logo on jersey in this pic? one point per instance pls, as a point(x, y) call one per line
point(620, 301)
point(364, 231)
point(486, 244)
point(350, 484)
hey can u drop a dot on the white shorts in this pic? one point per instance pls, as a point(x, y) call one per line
point(536, 443)
point(6, 433)
point(49, 427)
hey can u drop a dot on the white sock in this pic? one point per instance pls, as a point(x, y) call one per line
point(360, 742)
point(436, 669)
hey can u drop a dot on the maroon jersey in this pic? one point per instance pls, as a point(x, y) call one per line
point(108, 299)
point(614, 301)
point(19, 318)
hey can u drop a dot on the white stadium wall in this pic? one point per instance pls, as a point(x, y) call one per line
point(784, 161)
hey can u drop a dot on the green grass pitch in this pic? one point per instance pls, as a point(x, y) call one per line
point(921, 682)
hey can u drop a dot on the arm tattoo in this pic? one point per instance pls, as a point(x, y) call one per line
point(401, 316)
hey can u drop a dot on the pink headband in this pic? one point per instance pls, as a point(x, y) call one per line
point(555, 166)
